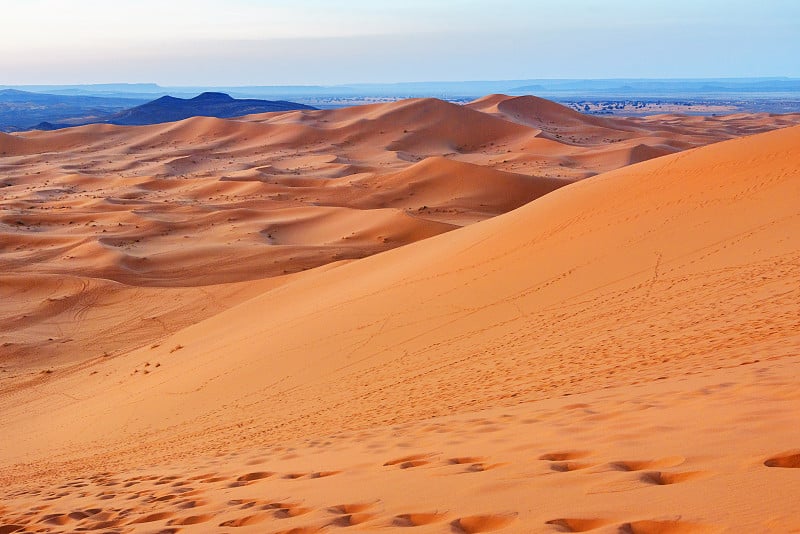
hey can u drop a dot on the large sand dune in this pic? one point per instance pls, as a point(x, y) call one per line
point(206, 201)
point(620, 355)
point(167, 205)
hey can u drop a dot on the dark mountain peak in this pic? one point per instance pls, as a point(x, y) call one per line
point(210, 96)
point(13, 92)
point(166, 99)
point(209, 104)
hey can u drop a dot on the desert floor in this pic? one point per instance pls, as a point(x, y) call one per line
point(504, 316)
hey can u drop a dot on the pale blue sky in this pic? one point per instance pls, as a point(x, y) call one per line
point(266, 42)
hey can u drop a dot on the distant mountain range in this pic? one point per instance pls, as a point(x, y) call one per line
point(220, 105)
point(20, 110)
point(628, 87)
point(58, 106)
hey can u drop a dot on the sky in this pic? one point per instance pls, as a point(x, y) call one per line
point(325, 42)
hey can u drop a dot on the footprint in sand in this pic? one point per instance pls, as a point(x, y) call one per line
point(352, 508)
point(294, 476)
point(350, 520)
point(290, 511)
point(56, 519)
point(562, 461)
point(789, 459)
point(577, 524)
point(472, 464)
point(638, 465)
point(351, 514)
point(211, 480)
point(660, 478)
point(194, 503)
point(191, 520)
point(482, 523)
point(564, 455)
point(251, 477)
point(565, 467)
point(153, 517)
point(323, 474)
point(302, 530)
point(664, 527)
point(467, 460)
point(245, 521)
point(407, 462)
point(418, 519)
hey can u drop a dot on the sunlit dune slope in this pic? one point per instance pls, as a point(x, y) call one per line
point(622, 352)
point(205, 203)
point(638, 273)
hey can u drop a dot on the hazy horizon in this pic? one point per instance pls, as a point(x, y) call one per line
point(311, 42)
point(414, 82)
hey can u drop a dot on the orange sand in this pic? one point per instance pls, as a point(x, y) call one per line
point(619, 355)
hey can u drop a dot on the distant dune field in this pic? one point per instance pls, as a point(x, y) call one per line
point(585, 324)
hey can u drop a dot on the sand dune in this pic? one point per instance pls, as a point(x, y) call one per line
point(124, 203)
point(619, 355)
point(448, 190)
point(538, 112)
